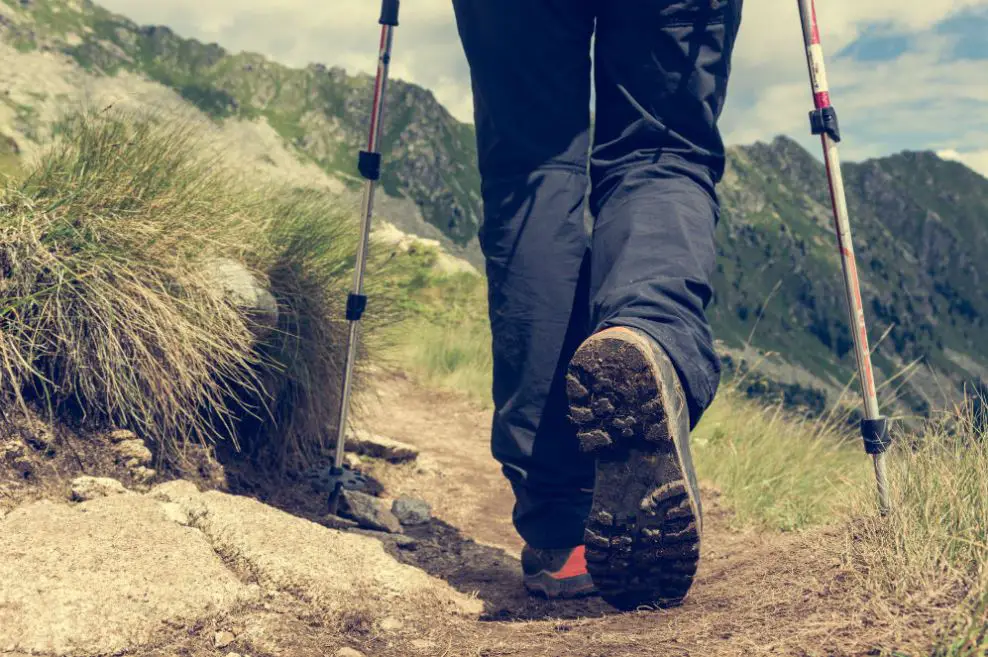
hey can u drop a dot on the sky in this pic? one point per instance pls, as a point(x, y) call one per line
point(904, 74)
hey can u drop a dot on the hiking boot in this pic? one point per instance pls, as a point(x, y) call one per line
point(629, 410)
point(556, 574)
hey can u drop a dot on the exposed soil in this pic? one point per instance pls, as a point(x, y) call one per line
point(755, 593)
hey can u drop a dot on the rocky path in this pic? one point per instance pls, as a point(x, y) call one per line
point(97, 568)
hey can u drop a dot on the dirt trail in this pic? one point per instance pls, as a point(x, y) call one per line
point(755, 594)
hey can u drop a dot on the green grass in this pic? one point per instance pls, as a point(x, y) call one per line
point(445, 340)
point(776, 471)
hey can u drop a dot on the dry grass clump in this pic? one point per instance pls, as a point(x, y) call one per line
point(933, 545)
point(110, 315)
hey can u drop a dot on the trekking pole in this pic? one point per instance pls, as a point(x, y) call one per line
point(369, 165)
point(823, 122)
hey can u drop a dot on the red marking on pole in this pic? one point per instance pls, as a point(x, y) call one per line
point(822, 99)
point(815, 31)
point(377, 91)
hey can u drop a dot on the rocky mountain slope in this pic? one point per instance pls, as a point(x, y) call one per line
point(920, 227)
point(919, 222)
point(320, 111)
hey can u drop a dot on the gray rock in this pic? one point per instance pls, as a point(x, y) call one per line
point(247, 292)
point(176, 513)
point(334, 570)
point(348, 652)
point(143, 474)
point(121, 435)
point(133, 453)
point(380, 447)
point(103, 577)
point(369, 512)
point(337, 522)
point(223, 639)
point(406, 543)
point(84, 489)
point(411, 511)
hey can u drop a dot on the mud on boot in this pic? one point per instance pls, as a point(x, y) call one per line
point(629, 410)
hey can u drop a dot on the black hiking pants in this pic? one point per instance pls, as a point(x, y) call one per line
point(661, 70)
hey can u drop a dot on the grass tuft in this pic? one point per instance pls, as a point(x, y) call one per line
point(934, 541)
point(113, 316)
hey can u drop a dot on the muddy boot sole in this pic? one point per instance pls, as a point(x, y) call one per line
point(643, 532)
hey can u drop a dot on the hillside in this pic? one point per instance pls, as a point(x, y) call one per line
point(918, 220)
point(921, 240)
point(321, 111)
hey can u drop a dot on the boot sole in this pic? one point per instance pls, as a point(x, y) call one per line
point(643, 533)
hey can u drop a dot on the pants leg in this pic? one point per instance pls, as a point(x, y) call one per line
point(530, 69)
point(662, 68)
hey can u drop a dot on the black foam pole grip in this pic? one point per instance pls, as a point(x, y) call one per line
point(876, 435)
point(389, 12)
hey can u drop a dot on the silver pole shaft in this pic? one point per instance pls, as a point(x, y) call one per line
point(367, 212)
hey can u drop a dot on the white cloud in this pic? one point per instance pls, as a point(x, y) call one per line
point(977, 160)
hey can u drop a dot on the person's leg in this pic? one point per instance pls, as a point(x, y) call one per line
point(645, 377)
point(662, 71)
point(530, 67)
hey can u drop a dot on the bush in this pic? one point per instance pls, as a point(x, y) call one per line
point(111, 318)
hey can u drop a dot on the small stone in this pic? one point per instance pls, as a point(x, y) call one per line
point(337, 522)
point(352, 461)
point(133, 452)
point(223, 639)
point(348, 652)
point(143, 474)
point(369, 512)
point(411, 511)
point(406, 543)
point(390, 624)
point(379, 447)
point(121, 435)
point(84, 489)
point(12, 451)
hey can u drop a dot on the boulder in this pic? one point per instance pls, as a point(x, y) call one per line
point(248, 293)
point(369, 512)
point(411, 511)
point(104, 576)
point(381, 447)
point(84, 489)
point(334, 570)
